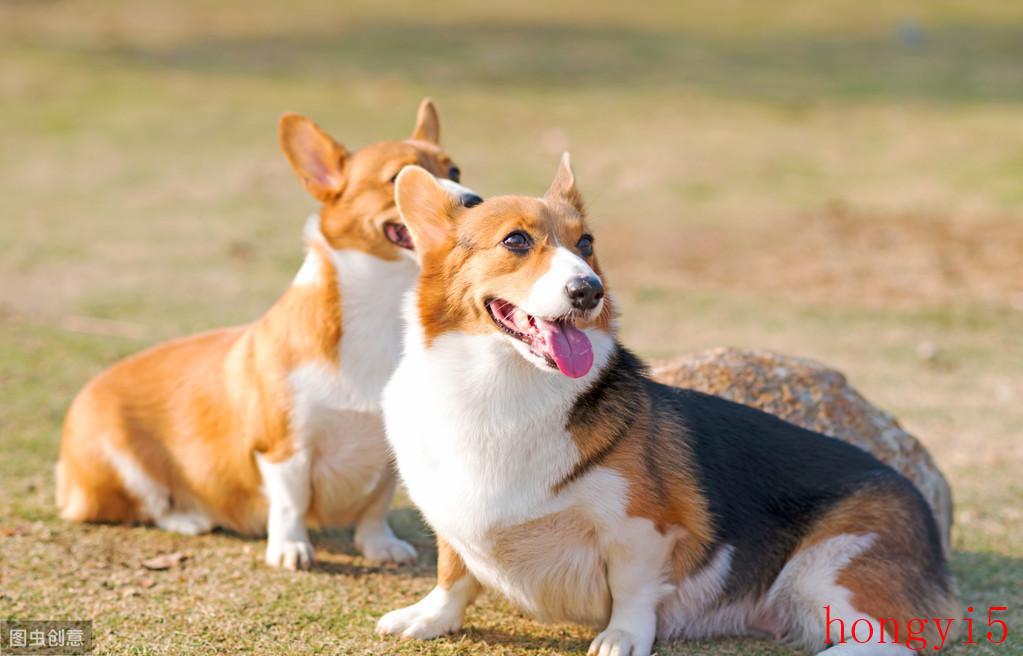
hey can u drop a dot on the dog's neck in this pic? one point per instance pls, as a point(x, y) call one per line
point(349, 302)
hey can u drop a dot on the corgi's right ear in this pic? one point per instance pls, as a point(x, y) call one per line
point(315, 156)
point(425, 207)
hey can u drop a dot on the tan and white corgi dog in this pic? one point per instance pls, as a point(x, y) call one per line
point(259, 428)
point(555, 471)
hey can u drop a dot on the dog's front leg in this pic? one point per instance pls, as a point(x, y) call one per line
point(635, 576)
point(443, 610)
point(287, 486)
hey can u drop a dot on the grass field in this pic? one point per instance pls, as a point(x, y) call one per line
point(841, 180)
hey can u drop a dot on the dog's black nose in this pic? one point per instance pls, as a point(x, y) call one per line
point(470, 200)
point(584, 292)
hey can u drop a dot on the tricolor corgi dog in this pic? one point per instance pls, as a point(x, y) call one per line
point(555, 471)
point(262, 427)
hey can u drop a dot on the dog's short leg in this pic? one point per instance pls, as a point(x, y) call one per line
point(373, 536)
point(443, 610)
point(287, 487)
point(635, 567)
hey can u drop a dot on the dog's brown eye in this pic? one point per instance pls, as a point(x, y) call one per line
point(454, 174)
point(517, 242)
point(585, 245)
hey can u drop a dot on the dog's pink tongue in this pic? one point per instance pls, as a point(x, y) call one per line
point(568, 346)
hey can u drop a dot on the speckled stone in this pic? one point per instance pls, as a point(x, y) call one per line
point(813, 396)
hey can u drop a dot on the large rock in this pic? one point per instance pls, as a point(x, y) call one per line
point(813, 396)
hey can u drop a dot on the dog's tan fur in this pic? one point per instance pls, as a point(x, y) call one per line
point(191, 413)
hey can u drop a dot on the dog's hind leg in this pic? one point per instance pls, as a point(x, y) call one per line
point(868, 579)
point(92, 486)
point(373, 535)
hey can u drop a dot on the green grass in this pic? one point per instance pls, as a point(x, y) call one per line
point(838, 179)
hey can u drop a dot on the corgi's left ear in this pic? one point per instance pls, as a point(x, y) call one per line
point(427, 123)
point(317, 159)
point(425, 207)
point(563, 188)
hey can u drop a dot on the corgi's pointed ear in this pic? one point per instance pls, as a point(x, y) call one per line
point(425, 207)
point(315, 156)
point(427, 123)
point(563, 188)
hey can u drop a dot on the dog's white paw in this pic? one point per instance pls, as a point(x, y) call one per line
point(186, 523)
point(616, 642)
point(387, 549)
point(420, 621)
point(290, 554)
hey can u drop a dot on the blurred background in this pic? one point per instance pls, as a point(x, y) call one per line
point(834, 179)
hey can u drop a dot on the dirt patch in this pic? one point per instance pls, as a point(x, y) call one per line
point(844, 256)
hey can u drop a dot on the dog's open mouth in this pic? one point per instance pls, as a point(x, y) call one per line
point(398, 235)
point(558, 341)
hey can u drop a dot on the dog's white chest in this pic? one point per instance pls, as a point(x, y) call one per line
point(336, 409)
point(371, 294)
point(466, 471)
point(484, 478)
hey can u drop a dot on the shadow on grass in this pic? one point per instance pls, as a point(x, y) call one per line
point(407, 523)
point(489, 637)
point(957, 63)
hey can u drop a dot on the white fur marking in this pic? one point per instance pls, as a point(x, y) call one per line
point(311, 271)
point(153, 498)
point(192, 522)
point(807, 584)
point(547, 298)
point(456, 190)
point(371, 295)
